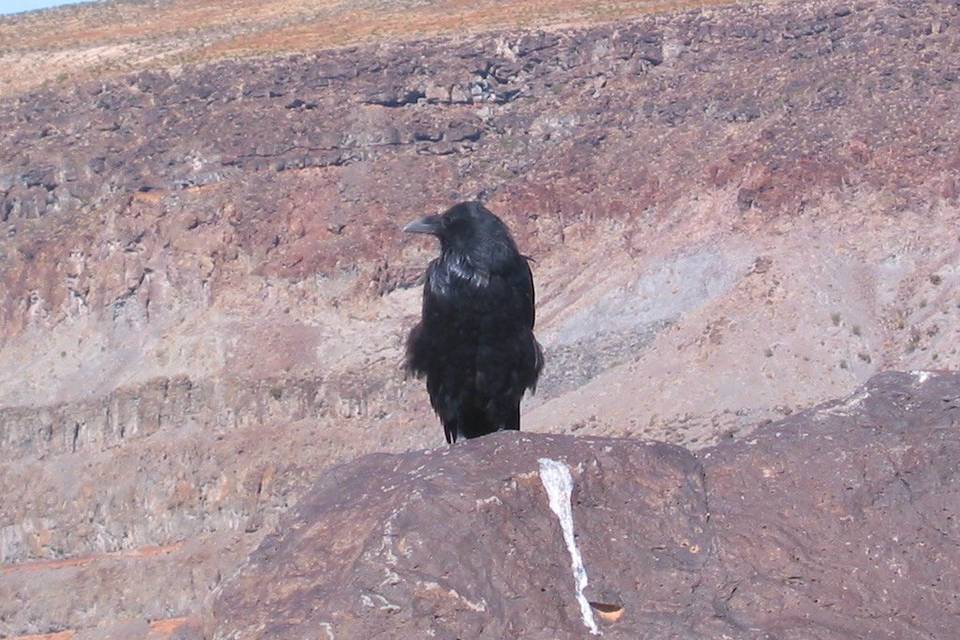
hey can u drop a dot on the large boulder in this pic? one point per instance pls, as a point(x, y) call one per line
point(838, 522)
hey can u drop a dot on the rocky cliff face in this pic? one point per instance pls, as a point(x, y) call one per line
point(736, 213)
point(839, 522)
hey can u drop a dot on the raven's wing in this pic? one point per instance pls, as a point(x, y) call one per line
point(531, 382)
point(528, 358)
point(413, 362)
point(530, 298)
point(418, 342)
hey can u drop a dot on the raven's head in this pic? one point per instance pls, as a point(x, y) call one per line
point(469, 231)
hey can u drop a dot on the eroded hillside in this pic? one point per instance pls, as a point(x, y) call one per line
point(735, 213)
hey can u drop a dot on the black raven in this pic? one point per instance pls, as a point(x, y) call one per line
point(475, 342)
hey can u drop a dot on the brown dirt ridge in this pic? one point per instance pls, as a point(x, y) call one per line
point(107, 39)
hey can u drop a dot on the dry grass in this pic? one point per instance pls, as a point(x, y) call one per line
point(449, 17)
point(72, 44)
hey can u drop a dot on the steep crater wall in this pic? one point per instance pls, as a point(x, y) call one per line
point(205, 290)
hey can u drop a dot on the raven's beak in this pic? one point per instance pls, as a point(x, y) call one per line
point(430, 224)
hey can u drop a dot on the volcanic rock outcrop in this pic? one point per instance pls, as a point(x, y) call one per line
point(840, 522)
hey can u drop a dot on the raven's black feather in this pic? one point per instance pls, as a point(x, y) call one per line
point(475, 341)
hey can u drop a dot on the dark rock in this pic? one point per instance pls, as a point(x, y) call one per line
point(461, 542)
point(459, 131)
point(840, 522)
point(536, 42)
point(505, 71)
point(397, 98)
point(40, 177)
point(746, 198)
point(297, 103)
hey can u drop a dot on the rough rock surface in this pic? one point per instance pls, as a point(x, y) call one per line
point(840, 522)
point(204, 290)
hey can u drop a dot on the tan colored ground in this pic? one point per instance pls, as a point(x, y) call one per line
point(101, 40)
point(156, 630)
